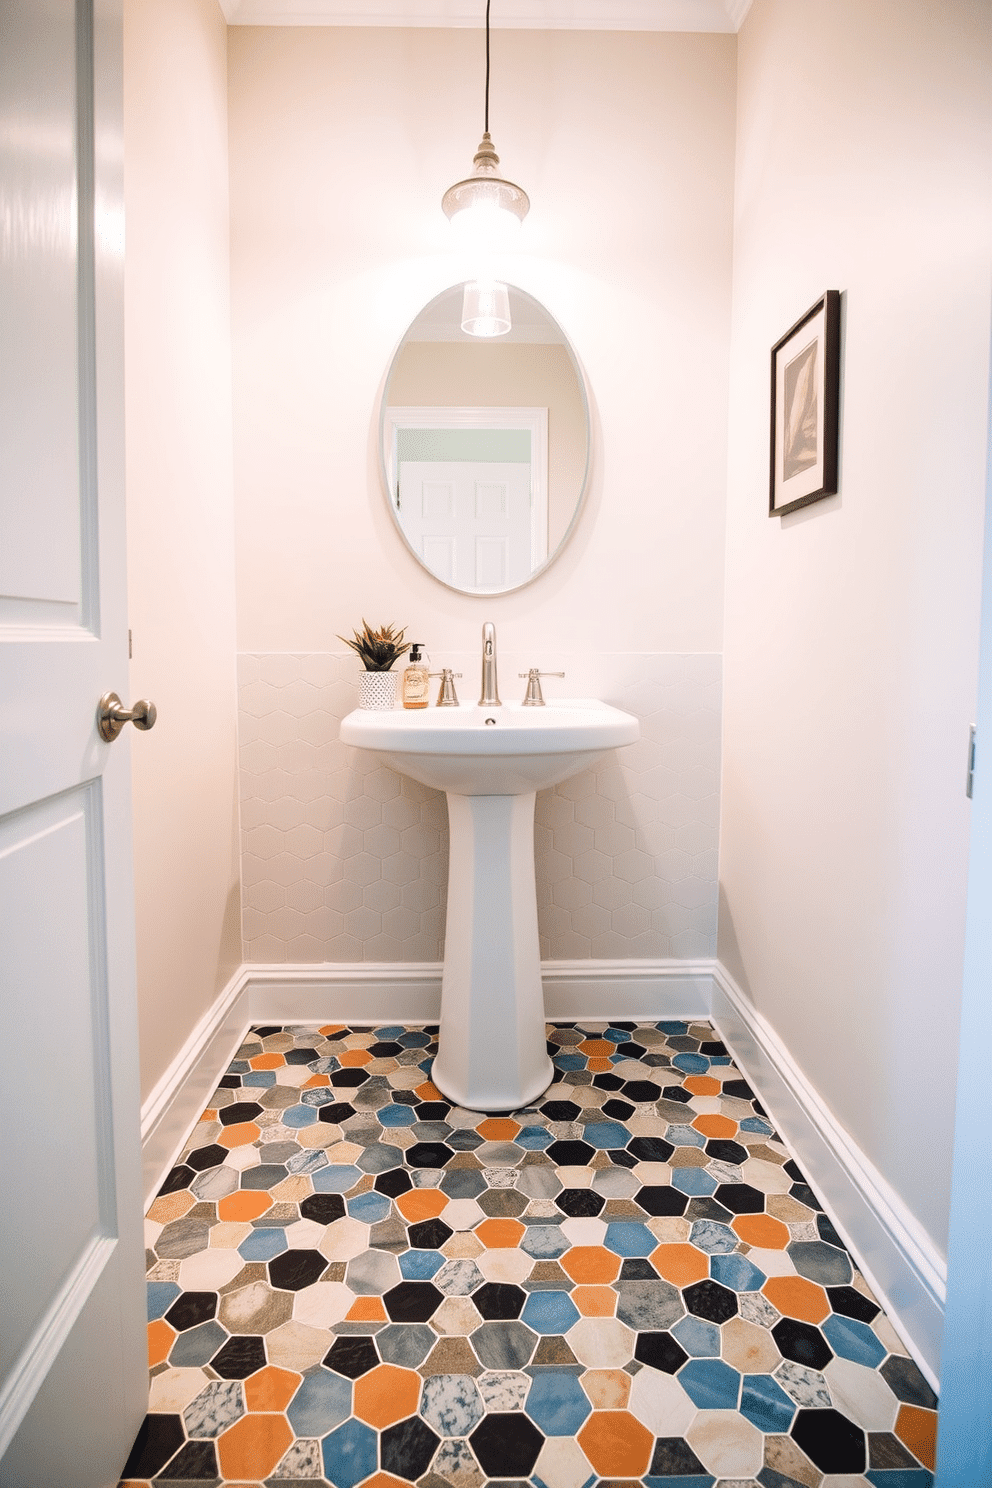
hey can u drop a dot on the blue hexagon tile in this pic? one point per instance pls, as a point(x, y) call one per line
point(354, 1284)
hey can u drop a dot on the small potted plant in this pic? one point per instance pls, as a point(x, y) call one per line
point(378, 649)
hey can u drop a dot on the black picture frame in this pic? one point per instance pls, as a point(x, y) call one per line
point(805, 409)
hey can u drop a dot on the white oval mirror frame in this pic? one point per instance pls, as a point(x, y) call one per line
point(484, 444)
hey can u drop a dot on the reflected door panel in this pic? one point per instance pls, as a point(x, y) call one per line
point(469, 521)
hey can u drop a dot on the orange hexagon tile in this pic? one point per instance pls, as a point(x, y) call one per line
point(266, 1061)
point(386, 1395)
point(680, 1264)
point(498, 1234)
point(241, 1134)
point(761, 1230)
point(247, 1204)
point(271, 1389)
point(498, 1129)
point(702, 1085)
point(597, 1048)
point(351, 1058)
point(616, 1443)
point(595, 1301)
point(591, 1263)
point(715, 1126)
point(422, 1203)
point(252, 1447)
point(161, 1337)
point(367, 1310)
point(916, 1428)
point(428, 1091)
point(797, 1298)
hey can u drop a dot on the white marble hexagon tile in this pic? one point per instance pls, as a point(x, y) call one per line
point(344, 860)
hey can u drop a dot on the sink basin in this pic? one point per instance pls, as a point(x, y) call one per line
point(490, 762)
point(506, 751)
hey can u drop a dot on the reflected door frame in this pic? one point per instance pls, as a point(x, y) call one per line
point(533, 420)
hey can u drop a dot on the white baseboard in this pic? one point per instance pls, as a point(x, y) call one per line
point(897, 1257)
point(345, 992)
point(600, 990)
point(410, 992)
point(173, 1107)
point(899, 1260)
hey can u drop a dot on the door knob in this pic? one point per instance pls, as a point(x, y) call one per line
point(111, 715)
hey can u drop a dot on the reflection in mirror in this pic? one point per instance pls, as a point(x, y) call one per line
point(484, 444)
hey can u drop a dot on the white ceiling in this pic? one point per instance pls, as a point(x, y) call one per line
point(541, 15)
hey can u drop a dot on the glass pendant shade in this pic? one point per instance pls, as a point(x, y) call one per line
point(486, 309)
point(485, 207)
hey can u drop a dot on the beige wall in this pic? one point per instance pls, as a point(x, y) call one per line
point(342, 144)
point(445, 375)
point(180, 516)
point(863, 164)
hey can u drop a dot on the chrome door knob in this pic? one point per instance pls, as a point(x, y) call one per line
point(111, 715)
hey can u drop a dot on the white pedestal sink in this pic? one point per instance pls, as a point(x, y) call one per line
point(490, 762)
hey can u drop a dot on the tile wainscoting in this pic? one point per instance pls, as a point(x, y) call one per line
point(344, 860)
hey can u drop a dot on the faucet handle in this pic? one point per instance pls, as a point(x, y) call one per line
point(534, 697)
point(446, 697)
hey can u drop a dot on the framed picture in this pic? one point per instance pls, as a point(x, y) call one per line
point(805, 408)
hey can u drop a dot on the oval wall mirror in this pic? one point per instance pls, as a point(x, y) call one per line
point(484, 444)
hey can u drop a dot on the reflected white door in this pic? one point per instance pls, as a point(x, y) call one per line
point(470, 521)
point(73, 1380)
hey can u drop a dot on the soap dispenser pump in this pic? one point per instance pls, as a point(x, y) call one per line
point(416, 679)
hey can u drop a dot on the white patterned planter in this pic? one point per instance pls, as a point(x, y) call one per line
point(377, 690)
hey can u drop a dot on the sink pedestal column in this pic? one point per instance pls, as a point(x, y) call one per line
point(492, 1045)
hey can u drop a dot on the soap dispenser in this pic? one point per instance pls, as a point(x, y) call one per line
point(416, 679)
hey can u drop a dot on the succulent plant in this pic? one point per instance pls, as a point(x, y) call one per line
point(378, 649)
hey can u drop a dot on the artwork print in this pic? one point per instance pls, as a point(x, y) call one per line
point(799, 452)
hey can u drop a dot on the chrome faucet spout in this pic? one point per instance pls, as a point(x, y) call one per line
point(490, 688)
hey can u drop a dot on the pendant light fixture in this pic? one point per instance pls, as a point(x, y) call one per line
point(485, 206)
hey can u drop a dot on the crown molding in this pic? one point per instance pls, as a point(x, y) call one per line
point(529, 15)
point(736, 12)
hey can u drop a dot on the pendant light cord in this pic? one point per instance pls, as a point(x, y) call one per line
point(488, 3)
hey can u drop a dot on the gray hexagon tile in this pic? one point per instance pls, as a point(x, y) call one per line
point(344, 860)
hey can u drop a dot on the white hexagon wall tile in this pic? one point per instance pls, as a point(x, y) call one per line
point(344, 860)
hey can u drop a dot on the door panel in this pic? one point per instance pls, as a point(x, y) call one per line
point(439, 555)
point(38, 416)
point(492, 562)
point(48, 857)
point(73, 1374)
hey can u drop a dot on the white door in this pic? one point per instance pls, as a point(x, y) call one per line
point(73, 1381)
point(470, 521)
